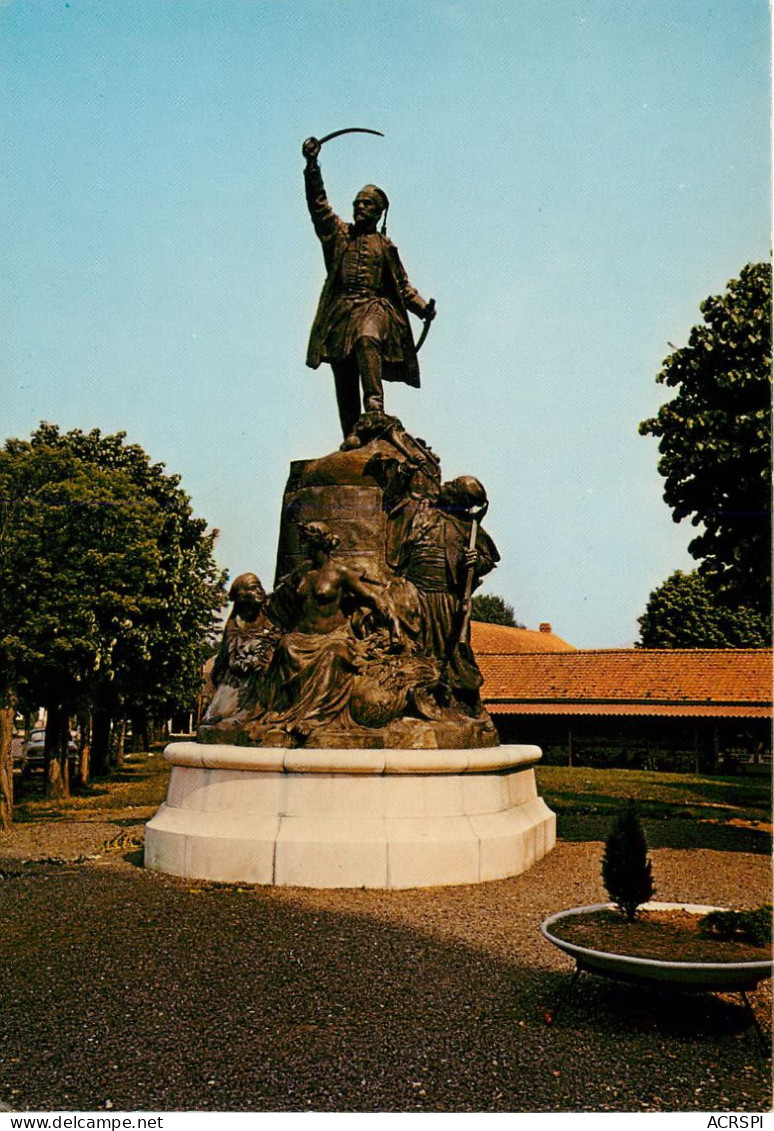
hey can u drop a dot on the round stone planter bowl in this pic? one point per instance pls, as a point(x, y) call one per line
point(709, 977)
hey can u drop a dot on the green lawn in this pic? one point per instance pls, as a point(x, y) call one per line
point(677, 810)
point(136, 790)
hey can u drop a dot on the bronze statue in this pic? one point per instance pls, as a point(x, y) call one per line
point(361, 327)
point(309, 681)
point(365, 639)
point(438, 545)
point(247, 646)
point(350, 652)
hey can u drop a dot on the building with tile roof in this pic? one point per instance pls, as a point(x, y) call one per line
point(667, 709)
point(496, 639)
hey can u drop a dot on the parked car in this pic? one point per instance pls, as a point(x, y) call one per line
point(35, 745)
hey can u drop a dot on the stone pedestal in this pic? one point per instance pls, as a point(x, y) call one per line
point(349, 818)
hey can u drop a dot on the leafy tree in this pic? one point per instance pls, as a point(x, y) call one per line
point(684, 612)
point(108, 586)
point(714, 439)
point(626, 869)
point(492, 609)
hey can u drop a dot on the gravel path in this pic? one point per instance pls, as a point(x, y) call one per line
point(129, 990)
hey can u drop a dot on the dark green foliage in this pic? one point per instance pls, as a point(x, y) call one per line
point(626, 869)
point(715, 436)
point(492, 609)
point(752, 927)
point(685, 612)
point(108, 585)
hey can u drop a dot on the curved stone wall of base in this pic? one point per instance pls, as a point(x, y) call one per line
point(349, 818)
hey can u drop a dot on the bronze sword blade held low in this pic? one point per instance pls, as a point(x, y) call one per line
point(425, 328)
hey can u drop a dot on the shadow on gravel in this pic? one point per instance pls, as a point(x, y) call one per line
point(128, 990)
point(601, 1005)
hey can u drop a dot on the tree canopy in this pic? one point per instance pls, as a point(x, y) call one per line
point(108, 584)
point(714, 439)
point(492, 609)
point(685, 613)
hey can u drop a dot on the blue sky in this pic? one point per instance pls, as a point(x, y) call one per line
point(568, 180)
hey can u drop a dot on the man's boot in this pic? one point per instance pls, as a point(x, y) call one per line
point(369, 361)
point(347, 381)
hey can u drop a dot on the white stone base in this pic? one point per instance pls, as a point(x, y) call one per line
point(349, 818)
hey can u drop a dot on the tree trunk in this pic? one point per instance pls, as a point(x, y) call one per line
point(6, 767)
point(84, 748)
point(119, 738)
point(84, 765)
point(140, 736)
point(145, 741)
point(100, 743)
point(158, 731)
point(57, 763)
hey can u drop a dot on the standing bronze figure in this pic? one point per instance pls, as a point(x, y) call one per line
point(439, 546)
point(361, 327)
point(365, 640)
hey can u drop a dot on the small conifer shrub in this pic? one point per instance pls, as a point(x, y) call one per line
point(626, 868)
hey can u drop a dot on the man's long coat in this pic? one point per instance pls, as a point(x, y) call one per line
point(334, 234)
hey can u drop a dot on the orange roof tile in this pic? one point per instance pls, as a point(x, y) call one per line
point(490, 639)
point(630, 681)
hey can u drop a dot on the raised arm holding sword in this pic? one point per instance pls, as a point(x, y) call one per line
point(361, 327)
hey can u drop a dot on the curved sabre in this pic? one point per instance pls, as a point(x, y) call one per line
point(378, 133)
point(349, 130)
point(425, 328)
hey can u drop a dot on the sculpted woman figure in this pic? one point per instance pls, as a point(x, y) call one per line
point(249, 637)
point(309, 681)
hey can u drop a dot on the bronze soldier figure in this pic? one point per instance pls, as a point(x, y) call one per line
point(428, 542)
point(361, 327)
